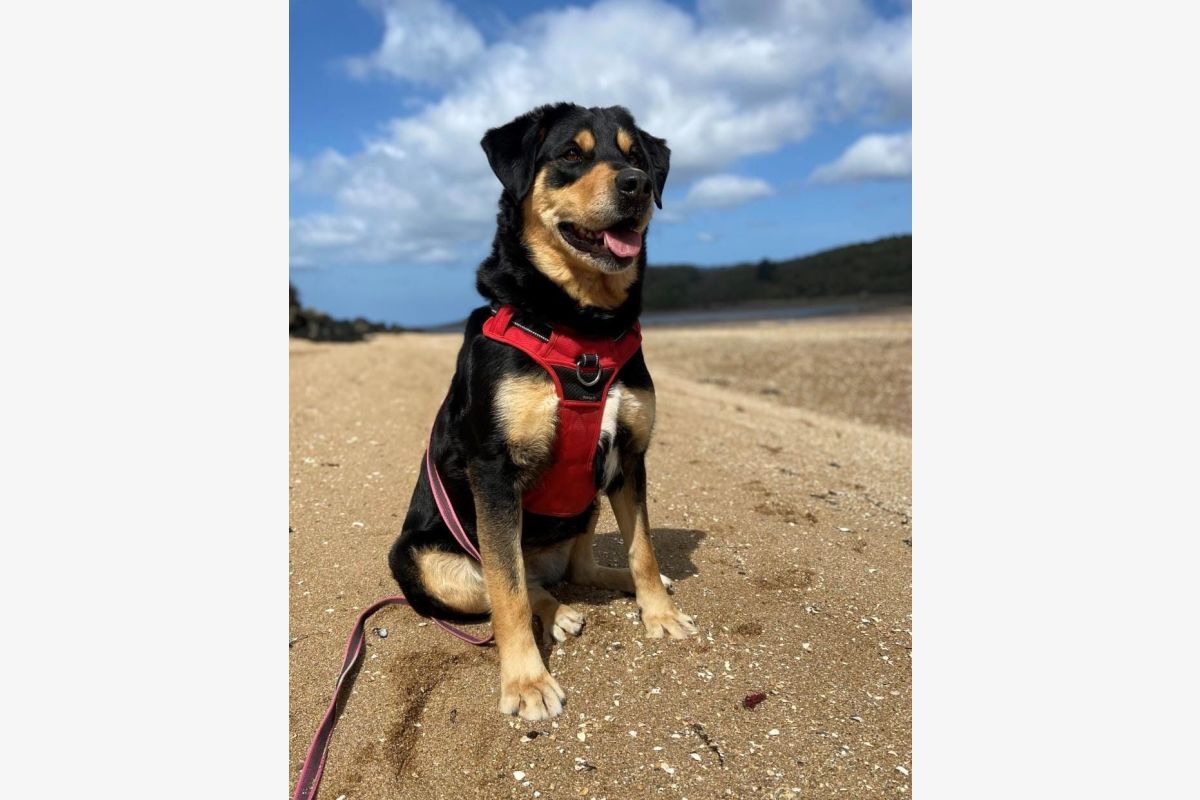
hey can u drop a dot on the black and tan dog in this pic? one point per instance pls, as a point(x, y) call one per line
point(568, 254)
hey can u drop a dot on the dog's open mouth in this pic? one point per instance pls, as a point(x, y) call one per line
point(620, 242)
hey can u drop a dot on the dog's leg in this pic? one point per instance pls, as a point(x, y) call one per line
point(583, 569)
point(526, 687)
point(454, 580)
point(659, 613)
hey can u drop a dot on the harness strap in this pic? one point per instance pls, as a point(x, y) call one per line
point(583, 368)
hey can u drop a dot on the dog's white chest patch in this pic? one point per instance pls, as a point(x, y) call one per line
point(608, 435)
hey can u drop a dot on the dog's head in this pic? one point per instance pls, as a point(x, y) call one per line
point(584, 179)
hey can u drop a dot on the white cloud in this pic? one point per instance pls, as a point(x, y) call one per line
point(323, 230)
point(719, 85)
point(725, 191)
point(423, 41)
point(876, 156)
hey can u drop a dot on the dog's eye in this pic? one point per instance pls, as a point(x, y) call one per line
point(573, 154)
point(635, 158)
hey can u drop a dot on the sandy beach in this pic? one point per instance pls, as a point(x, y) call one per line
point(780, 501)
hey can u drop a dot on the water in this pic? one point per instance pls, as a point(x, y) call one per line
point(714, 315)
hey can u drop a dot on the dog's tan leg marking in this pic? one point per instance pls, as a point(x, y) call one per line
point(527, 408)
point(659, 613)
point(526, 687)
point(558, 619)
point(455, 580)
point(584, 570)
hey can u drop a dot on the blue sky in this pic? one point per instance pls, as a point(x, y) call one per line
point(789, 122)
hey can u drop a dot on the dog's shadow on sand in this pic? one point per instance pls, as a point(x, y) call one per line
point(672, 546)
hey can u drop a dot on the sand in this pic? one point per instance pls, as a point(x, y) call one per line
point(780, 484)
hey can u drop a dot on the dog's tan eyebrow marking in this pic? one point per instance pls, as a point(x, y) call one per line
point(585, 140)
point(624, 140)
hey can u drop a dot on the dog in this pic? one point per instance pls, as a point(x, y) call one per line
point(566, 267)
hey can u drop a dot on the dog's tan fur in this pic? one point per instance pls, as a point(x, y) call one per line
point(527, 407)
point(659, 614)
point(586, 202)
point(455, 580)
point(586, 140)
point(585, 571)
point(624, 141)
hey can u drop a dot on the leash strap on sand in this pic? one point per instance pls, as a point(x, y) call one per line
point(314, 761)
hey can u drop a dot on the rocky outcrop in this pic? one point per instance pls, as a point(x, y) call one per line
point(317, 326)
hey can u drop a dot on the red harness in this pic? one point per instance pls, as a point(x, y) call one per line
point(583, 369)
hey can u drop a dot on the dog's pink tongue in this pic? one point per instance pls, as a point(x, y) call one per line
point(623, 244)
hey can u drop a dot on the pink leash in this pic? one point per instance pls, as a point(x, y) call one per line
point(314, 761)
point(445, 507)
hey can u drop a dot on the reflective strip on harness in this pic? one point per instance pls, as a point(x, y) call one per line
point(582, 368)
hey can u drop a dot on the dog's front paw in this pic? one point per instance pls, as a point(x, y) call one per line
point(669, 620)
point(535, 697)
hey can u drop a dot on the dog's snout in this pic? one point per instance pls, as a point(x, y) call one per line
point(633, 183)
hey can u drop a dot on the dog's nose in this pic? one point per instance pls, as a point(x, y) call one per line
point(633, 183)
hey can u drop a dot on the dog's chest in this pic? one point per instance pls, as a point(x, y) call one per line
point(528, 412)
point(608, 459)
point(628, 423)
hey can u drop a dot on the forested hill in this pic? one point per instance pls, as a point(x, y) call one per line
point(876, 268)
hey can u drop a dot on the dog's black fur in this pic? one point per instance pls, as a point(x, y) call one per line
point(466, 434)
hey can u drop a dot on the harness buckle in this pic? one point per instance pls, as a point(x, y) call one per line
point(588, 361)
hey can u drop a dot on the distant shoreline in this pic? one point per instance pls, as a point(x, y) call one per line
point(852, 279)
point(762, 311)
point(758, 311)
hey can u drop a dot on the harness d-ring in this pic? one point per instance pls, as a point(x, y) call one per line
point(588, 360)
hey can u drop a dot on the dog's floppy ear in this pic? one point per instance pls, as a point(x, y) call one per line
point(512, 149)
point(659, 156)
